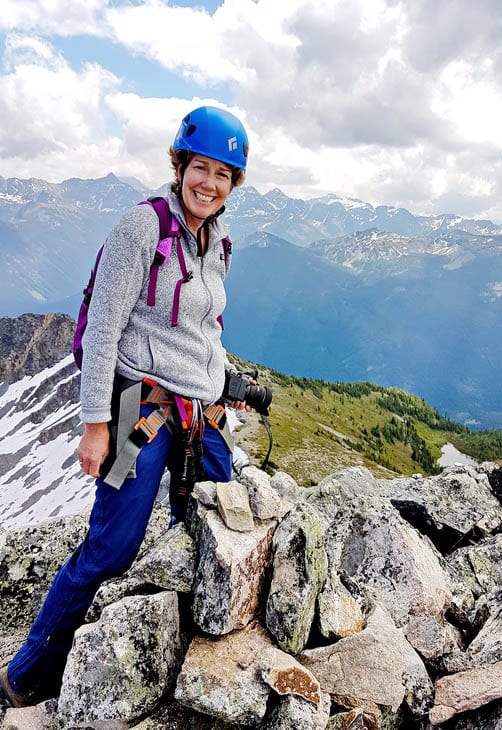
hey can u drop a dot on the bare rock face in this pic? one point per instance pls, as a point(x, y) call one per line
point(466, 691)
point(299, 571)
point(119, 667)
point(32, 342)
point(377, 666)
point(232, 677)
point(230, 573)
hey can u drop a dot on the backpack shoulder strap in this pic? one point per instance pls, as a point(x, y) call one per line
point(169, 231)
point(168, 224)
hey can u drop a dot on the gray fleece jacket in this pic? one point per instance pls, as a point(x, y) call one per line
point(127, 336)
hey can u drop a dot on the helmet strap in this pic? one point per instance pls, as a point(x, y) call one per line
point(205, 228)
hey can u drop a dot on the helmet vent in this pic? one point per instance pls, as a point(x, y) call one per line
point(190, 129)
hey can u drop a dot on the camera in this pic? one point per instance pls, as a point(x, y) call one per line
point(238, 387)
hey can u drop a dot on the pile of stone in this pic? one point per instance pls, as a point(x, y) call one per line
point(359, 603)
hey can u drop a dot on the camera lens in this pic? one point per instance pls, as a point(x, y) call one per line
point(259, 398)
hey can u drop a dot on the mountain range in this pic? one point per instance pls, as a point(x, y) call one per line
point(317, 427)
point(328, 288)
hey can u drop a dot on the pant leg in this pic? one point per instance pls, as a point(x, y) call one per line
point(216, 457)
point(117, 527)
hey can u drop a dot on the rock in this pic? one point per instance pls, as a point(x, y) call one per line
point(339, 614)
point(466, 691)
point(120, 666)
point(230, 573)
point(231, 678)
point(221, 677)
point(447, 508)
point(29, 560)
point(383, 557)
point(38, 717)
point(486, 648)
point(475, 571)
point(169, 565)
point(377, 666)
point(292, 713)
point(299, 571)
point(170, 715)
point(286, 676)
point(264, 500)
point(358, 719)
point(494, 474)
point(354, 482)
point(486, 718)
point(286, 487)
point(233, 506)
point(352, 720)
point(205, 492)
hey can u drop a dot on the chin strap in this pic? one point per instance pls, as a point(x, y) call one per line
point(205, 227)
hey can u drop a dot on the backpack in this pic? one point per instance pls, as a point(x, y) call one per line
point(169, 237)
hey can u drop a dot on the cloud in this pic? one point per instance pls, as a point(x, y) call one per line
point(393, 101)
point(438, 33)
point(59, 17)
point(52, 117)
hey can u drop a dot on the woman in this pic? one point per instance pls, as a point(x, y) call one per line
point(127, 341)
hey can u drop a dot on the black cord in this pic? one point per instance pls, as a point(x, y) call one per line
point(266, 424)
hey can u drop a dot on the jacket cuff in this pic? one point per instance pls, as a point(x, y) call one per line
point(95, 415)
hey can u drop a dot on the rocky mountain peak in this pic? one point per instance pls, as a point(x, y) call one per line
point(32, 342)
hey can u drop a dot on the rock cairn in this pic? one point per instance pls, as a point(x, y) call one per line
point(359, 603)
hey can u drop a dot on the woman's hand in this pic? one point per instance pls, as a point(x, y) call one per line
point(93, 447)
point(241, 405)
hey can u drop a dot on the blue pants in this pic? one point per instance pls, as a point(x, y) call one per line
point(117, 526)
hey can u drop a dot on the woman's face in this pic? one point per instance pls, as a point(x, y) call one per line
point(205, 188)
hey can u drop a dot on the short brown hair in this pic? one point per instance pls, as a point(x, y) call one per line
point(180, 160)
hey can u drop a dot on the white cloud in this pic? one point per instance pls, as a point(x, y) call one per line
point(52, 117)
point(390, 101)
point(51, 16)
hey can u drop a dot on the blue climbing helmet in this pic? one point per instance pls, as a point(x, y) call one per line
point(214, 133)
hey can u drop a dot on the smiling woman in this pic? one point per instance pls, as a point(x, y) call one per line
point(151, 383)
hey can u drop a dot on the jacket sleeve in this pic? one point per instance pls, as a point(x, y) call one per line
point(122, 271)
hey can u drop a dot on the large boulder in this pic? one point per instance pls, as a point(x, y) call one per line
point(448, 508)
point(231, 677)
point(230, 573)
point(381, 557)
point(120, 666)
point(299, 571)
point(169, 564)
point(376, 666)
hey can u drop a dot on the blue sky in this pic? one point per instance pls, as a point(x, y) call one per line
point(391, 101)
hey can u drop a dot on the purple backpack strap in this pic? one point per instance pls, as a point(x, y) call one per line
point(187, 275)
point(226, 245)
point(77, 348)
point(168, 230)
